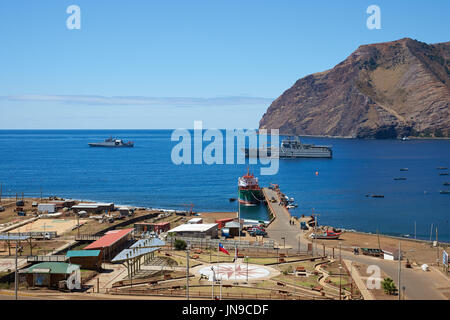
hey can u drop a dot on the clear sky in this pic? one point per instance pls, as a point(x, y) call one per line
point(165, 63)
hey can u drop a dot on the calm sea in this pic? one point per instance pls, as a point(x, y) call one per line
point(61, 163)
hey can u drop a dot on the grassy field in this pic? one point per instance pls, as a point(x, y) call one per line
point(308, 282)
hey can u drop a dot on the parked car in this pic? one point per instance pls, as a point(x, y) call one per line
point(255, 233)
point(2, 209)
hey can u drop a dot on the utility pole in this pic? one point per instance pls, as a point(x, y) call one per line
point(399, 269)
point(351, 280)
point(78, 223)
point(212, 284)
point(378, 236)
point(187, 272)
point(314, 240)
point(239, 219)
point(220, 289)
point(340, 273)
point(247, 269)
point(15, 275)
point(437, 246)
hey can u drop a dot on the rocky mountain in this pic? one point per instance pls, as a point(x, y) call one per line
point(384, 90)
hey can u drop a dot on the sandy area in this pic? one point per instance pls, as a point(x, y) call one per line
point(211, 217)
point(44, 225)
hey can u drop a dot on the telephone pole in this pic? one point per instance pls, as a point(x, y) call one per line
point(187, 272)
point(340, 273)
point(437, 246)
point(399, 269)
point(15, 275)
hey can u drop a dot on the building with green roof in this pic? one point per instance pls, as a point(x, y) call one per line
point(87, 259)
point(50, 274)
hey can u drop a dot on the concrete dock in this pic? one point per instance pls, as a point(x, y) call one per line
point(279, 227)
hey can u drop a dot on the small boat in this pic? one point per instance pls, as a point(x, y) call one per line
point(377, 196)
point(442, 168)
point(112, 143)
point(443, 174)
point(403, 169)
point(232, 199)
point(291, 206)
point(325, 235)
point(400, 178)
point(444, 192)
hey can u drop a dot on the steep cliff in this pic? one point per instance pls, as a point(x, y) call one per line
point(383, 90)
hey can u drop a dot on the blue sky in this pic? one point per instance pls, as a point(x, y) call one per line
point(217, 61)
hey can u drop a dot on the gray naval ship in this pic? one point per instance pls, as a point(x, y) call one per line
point(292, 148)
point(112, 143)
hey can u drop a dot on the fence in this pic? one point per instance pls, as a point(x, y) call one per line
point(200, 242)
point(280, 295)
point(34, 235)
point(87, 237)
point(56, 258)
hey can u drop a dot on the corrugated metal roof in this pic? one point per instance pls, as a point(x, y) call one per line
point(54, 267)
point(151, 242)
point(232, 224)
point(5, 237)
point(132, 253)
point(109, 239)
point(83, 253)
point(193, 227)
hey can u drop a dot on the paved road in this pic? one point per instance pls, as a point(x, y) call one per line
point(419, 284)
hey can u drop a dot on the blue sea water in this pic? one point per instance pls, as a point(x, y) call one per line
point(61, 163)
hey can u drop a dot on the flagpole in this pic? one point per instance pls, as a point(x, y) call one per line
point(218, 266)
point(235, 258)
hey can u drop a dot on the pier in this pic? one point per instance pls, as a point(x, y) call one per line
point(279, 226)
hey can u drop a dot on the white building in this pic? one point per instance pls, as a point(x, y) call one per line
point(196, 230)
point(195, 221)
point(390, 254)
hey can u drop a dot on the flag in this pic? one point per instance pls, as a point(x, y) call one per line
point(235, 253)
point(221, 248)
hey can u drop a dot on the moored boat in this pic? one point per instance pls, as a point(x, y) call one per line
point(250, 194)
point(326, 235)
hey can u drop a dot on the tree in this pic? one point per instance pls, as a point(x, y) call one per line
point(180, 244)
point(388, 286)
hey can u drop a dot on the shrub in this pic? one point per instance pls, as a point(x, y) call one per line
point(388, 286)
point(180, 245)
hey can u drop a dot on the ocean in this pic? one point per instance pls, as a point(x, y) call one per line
point(60, 162)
